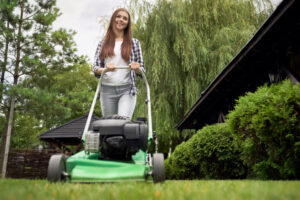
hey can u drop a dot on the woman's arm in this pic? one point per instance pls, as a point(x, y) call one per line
point(98, 64)
point(137, 63)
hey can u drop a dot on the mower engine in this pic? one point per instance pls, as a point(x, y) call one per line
point(117, 138)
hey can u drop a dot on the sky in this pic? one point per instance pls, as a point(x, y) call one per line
point(83, 17)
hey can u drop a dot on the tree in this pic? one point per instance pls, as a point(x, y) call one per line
point(67, 97)
point(36, 94)
point(26, 131)
point(42, 107)
point(31, 53)
point(6, 9)
point(185, 45)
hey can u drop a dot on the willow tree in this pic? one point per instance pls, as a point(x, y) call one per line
point(186, 43)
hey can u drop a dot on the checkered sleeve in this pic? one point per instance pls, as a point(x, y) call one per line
point(97, 61)
point(138, 56)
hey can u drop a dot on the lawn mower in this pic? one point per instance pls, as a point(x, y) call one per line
point(115, 149)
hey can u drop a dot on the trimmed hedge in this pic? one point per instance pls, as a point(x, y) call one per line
point(211, 153)
point(267, 124)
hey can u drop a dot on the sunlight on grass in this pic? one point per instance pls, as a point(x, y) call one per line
point(13, 189)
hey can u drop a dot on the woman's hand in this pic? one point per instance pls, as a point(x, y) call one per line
point(135, 66)
point(111, 66)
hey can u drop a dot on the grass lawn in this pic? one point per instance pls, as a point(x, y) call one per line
point(11, 189)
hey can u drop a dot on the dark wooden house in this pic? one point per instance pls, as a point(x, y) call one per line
point(273, 54)
point(67, 134)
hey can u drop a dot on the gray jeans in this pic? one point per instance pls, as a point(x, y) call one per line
point(117, 100)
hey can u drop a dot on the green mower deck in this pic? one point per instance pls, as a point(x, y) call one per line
point(84, 167)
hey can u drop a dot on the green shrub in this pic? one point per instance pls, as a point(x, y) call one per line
point(267, 124)
point(211, 153)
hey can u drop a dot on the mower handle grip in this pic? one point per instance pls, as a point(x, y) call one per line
point(118, 67)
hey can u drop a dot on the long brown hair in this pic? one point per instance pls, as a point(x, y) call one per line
point(109, 41)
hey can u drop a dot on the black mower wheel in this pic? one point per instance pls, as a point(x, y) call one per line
point(56, 168)
point(158, 168)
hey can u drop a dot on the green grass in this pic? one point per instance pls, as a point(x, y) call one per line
point(11, 189)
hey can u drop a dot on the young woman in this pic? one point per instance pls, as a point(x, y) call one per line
point(118, 90)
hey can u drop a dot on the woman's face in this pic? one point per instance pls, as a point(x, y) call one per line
point(121, 21)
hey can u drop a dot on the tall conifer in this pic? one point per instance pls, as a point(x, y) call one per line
point(33, 19)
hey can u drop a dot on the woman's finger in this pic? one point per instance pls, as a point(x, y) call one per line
point(134, 65)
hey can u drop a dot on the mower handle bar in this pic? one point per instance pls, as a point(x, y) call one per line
point(150, 133)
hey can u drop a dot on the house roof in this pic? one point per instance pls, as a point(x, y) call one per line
point(265, 54)
point(69, 133)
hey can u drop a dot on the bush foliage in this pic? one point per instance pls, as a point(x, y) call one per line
point(211, 153)
point(267, 124)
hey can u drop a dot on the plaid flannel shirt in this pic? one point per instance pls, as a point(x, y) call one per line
point(136, 56)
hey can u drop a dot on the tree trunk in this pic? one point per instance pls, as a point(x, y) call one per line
point(3, 144)
point(12, 102)
point(3, 70)
point(4, 62)
point(8, 136)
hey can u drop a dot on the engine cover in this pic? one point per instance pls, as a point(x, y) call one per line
point(120, 138)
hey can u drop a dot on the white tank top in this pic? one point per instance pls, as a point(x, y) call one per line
point(120, 76)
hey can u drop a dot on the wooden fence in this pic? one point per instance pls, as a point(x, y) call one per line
point(30, 164)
